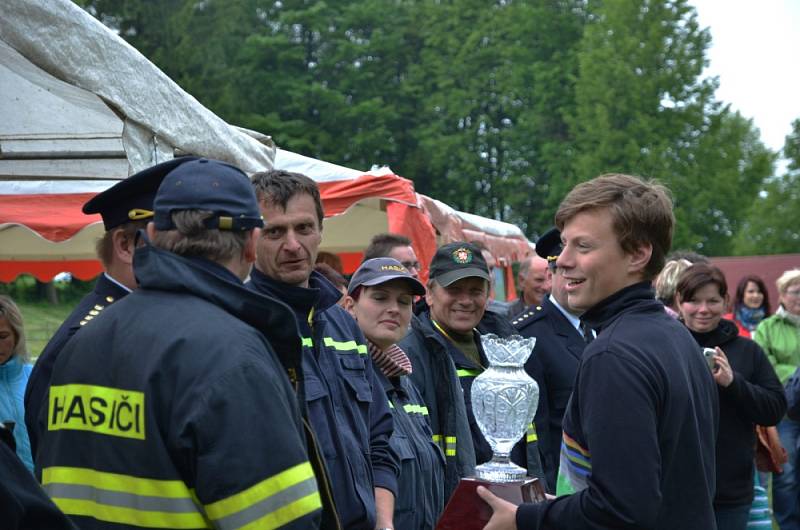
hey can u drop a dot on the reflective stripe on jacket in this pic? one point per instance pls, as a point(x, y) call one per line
point(420, 487)
point(434, 375)
point(346, 403)
point(173, 410)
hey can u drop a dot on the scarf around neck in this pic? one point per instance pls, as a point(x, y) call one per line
point(392, 361)
point(749, 317)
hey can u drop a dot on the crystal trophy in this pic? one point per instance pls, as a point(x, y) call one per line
point(504, 401)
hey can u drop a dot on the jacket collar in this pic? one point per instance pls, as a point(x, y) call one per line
point(638, 296)
point(12, 368)
point(320, 293)
point(158, 269)
point(725, 332)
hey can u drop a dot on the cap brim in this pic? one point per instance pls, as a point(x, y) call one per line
point(416, 286)
point(451, 277)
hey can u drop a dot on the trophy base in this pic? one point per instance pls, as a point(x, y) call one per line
point(467, 511)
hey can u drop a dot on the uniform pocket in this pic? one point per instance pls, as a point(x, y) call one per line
point(409, 474)
point(355, 375)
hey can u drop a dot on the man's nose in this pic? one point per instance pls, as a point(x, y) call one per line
point(565, 259)
point(292, 243)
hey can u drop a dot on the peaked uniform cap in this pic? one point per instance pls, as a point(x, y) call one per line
point(549, 245)
point(132, 199)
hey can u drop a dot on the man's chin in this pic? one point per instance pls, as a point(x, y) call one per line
point(295, 277)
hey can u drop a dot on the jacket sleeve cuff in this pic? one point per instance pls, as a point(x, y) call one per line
point(386, 479)
point(528, 515)
point(735, 388)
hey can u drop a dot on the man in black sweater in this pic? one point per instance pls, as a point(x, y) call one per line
point(640, 428)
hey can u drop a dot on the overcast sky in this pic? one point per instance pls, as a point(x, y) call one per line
point(755, 52)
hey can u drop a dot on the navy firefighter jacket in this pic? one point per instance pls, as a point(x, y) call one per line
point(105, 292)
point(346, 402)
point(173, 409)
point(420, 499)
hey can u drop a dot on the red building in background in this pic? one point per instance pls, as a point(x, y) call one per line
point(769, 268)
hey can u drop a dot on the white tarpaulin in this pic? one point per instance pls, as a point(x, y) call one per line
point(64, 41)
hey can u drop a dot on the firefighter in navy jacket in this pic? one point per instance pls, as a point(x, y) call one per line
point(345, 401)
point(174, 409)
point(379, 297)
point(125, 208)
point(445, 348)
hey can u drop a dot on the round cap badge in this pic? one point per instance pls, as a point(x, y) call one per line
point(462, 255)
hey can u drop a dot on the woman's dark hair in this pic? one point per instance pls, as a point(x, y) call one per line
point(698, 276)
point(739, 301)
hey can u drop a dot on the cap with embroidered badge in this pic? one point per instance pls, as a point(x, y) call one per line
point(458, 260)
point(549, 246)
point(376, 271)
point(211, 185)
point(132, 199)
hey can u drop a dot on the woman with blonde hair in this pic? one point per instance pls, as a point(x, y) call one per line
point(779, 336)
point(666, 282)
point(14, 372)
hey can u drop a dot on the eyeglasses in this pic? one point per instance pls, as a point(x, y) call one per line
point(410, 264)
point(795, 292)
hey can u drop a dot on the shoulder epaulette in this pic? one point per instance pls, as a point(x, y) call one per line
point(93, 312)
point(526, 317)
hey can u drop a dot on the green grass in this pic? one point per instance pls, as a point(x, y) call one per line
point(41, 322)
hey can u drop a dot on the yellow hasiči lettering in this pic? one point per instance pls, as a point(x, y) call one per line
point(99, 409)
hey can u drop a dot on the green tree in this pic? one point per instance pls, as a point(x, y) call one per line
point(643, 108)
point(771, 226)
point(498, 108)
point(496, 79)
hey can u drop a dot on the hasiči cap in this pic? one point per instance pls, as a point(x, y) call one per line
point(381, 270)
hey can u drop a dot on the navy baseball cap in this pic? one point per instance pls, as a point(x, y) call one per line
point(132, 199)
point(455, 261)
point(549, 246)
point(204, 184)
point(381, 270)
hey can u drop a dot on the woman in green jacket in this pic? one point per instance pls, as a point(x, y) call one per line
point(779, 336)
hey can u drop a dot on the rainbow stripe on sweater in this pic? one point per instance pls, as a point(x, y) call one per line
point(575, 463)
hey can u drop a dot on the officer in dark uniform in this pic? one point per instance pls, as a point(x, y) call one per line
point(125, 208)
point(555, 358)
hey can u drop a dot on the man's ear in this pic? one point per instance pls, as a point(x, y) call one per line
point(429, 293)
point(349, 305)
point(639, 258)
point(250, 245)
point(124, 245)
point(151, 230)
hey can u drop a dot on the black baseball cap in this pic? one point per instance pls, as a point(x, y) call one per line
point(376, 271)
point(549, 246)
point(132, 199)
point(458, 260)
point(204, 184)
